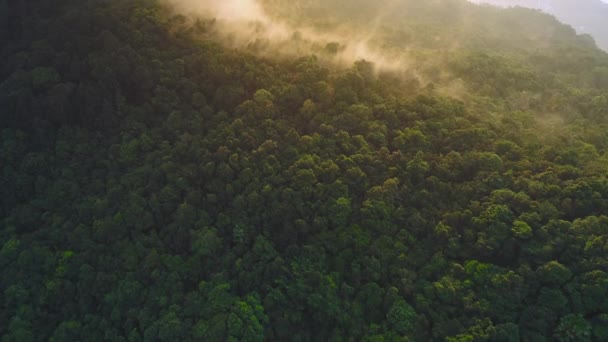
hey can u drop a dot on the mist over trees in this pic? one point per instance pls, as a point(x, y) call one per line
point(168, 176)
point(587, 16)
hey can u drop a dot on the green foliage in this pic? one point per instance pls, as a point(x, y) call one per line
point(507, 332)
point(402, 318)
point(44, 77)
point(554, 274)
point(521, 230)
point(573, 327)
point(160, 185)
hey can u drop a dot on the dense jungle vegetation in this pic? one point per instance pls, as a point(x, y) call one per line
point(159, 185)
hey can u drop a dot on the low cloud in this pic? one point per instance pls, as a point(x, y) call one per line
point(245, 24)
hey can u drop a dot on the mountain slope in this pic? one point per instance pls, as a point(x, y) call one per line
point(590, 16)
point(162, 181)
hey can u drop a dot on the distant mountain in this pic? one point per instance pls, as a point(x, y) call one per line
point(586, 16)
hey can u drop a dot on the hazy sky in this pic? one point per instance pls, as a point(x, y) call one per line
point(604, 1)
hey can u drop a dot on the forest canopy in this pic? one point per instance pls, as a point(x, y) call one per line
point(165, 179)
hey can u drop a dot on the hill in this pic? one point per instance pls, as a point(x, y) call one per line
point(319, 170)
point(590, 16)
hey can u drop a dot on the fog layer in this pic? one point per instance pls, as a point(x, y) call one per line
point(244, 23)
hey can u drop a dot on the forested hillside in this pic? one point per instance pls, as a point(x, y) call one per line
point(160, 182)
point(587, 16)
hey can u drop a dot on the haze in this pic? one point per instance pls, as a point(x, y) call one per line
point(244, 23)
point(586, 16)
